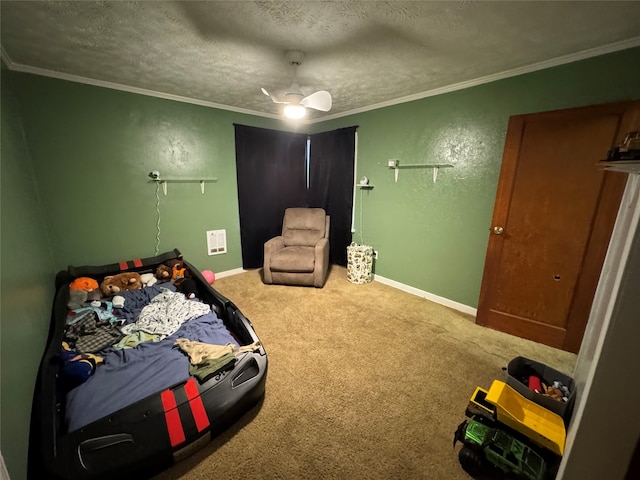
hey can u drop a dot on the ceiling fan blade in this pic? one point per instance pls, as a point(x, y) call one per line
point(273, 97)
point(320, 100)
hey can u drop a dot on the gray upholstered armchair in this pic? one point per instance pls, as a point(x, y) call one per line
point(300, 256)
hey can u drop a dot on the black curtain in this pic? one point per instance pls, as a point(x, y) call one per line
point(271, 176)
point(331, 185)
point(271, 173)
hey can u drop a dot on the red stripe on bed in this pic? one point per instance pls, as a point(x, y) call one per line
point(124, 266)
point(172, 417)
point(137, 262)
point(197, 407)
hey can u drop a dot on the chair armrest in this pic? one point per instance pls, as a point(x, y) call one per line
point(274, 244)
point(321, 262)
point(271, 246)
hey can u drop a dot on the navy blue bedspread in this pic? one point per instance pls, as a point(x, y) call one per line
point(133, 374)
point(136, 300)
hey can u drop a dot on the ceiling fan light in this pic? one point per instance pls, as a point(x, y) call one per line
point(294, 111)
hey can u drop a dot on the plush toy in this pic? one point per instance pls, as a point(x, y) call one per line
point(148, 279)
point(94, 295)
point(187, 286)
point(117, 301)
point(163, 272)
point(77, 367)
point(83, 283)
point(554, 393)
point(82, 290)
point(77, 299)
point(178, 269)
point(114, 284)
point(172, 270)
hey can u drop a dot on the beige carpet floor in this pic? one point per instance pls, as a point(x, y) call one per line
point(364, 382)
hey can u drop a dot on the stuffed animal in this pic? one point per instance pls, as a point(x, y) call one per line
point(94, 295)
point(163, 272)
point(114, 284)
point(554, 393)
point(148, 279)
point(77, 299)
point(187, 286)
point(83, 283)
point(172, 270)
point(117, 301)
point(77, 367)
point(178, 269)
point(82, 290)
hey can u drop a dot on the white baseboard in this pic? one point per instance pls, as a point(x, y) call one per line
point(4, 474)
point(429, 296)
point(229, 273)
point(392, 283)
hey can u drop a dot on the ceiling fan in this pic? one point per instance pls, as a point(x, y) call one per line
point(296, 103)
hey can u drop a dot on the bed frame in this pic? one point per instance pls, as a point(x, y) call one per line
point(152, 434)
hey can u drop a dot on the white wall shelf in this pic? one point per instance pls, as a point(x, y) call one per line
point(396, 166)
point(164, 181)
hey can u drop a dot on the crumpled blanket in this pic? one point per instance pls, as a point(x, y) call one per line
point(136, 300)
point(136, 338)
point(207, 359)
point(166, 313)
point(200, 352)
point(90, 334)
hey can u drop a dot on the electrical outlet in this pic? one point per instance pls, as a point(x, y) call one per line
point(392, 163)
point(375, 254)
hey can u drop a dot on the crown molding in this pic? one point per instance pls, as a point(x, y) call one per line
point(127, 88)
point(554, 62)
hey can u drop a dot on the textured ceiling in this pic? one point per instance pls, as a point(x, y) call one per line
point(367, 54)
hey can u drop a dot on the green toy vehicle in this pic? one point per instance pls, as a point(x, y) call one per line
point(491, 445)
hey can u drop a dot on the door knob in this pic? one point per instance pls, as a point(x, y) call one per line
point(498, 230)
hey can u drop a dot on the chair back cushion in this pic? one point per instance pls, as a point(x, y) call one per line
point(303, 226)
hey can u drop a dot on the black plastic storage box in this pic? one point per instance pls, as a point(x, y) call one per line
point(518, 372)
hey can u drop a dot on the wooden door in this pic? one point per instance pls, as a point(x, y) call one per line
point(552, 219)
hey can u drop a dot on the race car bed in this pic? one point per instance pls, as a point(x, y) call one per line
point(140, 379)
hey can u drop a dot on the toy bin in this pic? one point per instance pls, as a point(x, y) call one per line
point(520, 369)
point(359, 263)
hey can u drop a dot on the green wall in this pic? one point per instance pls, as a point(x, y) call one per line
point(75, 189)
point(434, 236)
point(26, 285)
point(93, 149)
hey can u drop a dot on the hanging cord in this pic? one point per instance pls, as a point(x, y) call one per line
point(158, 221)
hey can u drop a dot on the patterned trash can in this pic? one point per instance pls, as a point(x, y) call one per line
point(359, 263)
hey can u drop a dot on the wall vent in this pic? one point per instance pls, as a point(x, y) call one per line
point(216, 242)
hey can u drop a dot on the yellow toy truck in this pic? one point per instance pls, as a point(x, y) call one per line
point(510, 432)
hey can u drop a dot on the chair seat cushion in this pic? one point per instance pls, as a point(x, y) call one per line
point(297, 259)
